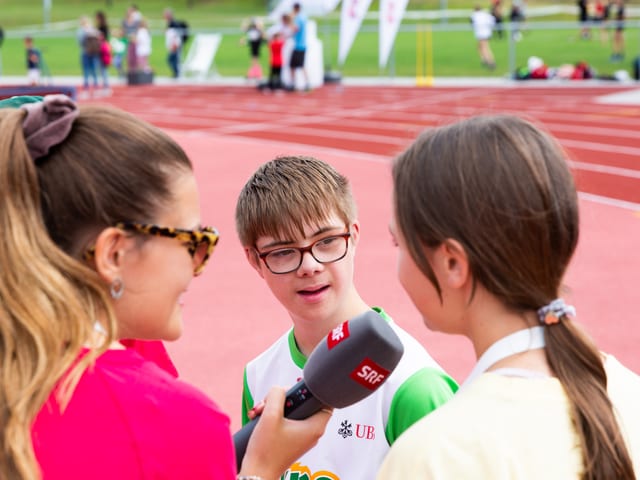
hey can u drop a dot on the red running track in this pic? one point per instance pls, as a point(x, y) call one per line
point(382, 120)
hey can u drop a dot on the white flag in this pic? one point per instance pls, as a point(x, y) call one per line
point(353, 11)
point(391, 13)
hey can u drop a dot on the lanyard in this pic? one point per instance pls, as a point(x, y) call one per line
point(517, 342)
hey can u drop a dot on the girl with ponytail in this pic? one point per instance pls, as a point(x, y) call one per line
point(485, 217)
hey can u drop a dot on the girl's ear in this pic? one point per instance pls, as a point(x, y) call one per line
point(453, 263)
point(254, 260)
point(109, 254)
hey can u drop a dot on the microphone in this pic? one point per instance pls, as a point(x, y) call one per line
point(351, 363)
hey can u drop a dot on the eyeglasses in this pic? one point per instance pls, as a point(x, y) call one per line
point(200, 243)
point(326, 250)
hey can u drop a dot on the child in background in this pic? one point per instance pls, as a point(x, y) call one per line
point(275, 60)
point(118, 43)
point(105, 59)
point(483, 23)
point(34, 62)
point(254, 36)
point(297, 221)
point(143, 43)
point(617, 44)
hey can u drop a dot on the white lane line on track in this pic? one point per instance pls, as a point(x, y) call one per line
point(635, 207)
point(629, 97)
point(619, 132)
point(599, 147)
point(594, 167)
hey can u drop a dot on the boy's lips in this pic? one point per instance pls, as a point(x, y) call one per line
point(313, 290)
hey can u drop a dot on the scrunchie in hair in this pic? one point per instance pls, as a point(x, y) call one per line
point(48, 123)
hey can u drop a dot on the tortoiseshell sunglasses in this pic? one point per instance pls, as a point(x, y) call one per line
point(200, 243)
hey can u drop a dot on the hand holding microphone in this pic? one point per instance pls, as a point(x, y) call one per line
point(276, 442)
point(351, 363)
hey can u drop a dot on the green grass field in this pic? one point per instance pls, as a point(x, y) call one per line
point(453, 51)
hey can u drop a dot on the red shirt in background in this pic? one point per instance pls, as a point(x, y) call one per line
point(275, 46)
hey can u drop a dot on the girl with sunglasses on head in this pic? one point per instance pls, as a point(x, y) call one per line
point(101, 236)
point(486, 222)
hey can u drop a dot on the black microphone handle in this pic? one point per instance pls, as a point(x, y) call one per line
point(299, 404)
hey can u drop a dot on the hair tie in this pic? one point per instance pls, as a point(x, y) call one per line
point(550, 314)
point(47, 123)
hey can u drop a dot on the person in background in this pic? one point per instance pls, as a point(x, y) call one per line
point(34, 61)
point(583, 18)
point(89, 41)
point(297, 221)
point(496, 11)
point(102, 24)
point(483, 23)
point(275, 60)
point(617, 46)
point(518, 16)
point(143, 47)
point(284, 26)
point(137, 14)
point(107, 244)
point(254, 37)
point(601, 11)
point(485, 218)
point(130, 24)
point(173, 42)
point(298, 55)
point(105, 61)
point(118, 45)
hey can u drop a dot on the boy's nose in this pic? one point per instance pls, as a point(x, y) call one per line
point(309, 264)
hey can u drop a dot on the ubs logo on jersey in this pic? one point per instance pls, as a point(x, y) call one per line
point(345, 429)
point(369, 374)
point(364, 432)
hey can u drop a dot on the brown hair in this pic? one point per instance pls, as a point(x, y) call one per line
point(112, 167)
point(502, 188)
point(287, 193)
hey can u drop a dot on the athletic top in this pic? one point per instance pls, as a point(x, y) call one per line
point(357, 437)
point(504, 427)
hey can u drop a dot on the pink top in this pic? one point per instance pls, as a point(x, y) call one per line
point(130, 419)
point(153, 350)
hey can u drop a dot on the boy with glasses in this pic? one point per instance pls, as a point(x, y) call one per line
point(297, 221)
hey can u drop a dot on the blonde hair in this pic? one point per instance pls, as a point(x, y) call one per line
point(50, 299)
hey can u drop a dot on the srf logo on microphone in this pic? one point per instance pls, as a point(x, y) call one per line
point(338, 334)
point(369, 374)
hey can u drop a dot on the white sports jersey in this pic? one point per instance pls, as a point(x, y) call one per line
point(357, 437)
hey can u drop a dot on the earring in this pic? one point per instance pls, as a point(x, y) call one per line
point(116, 289)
